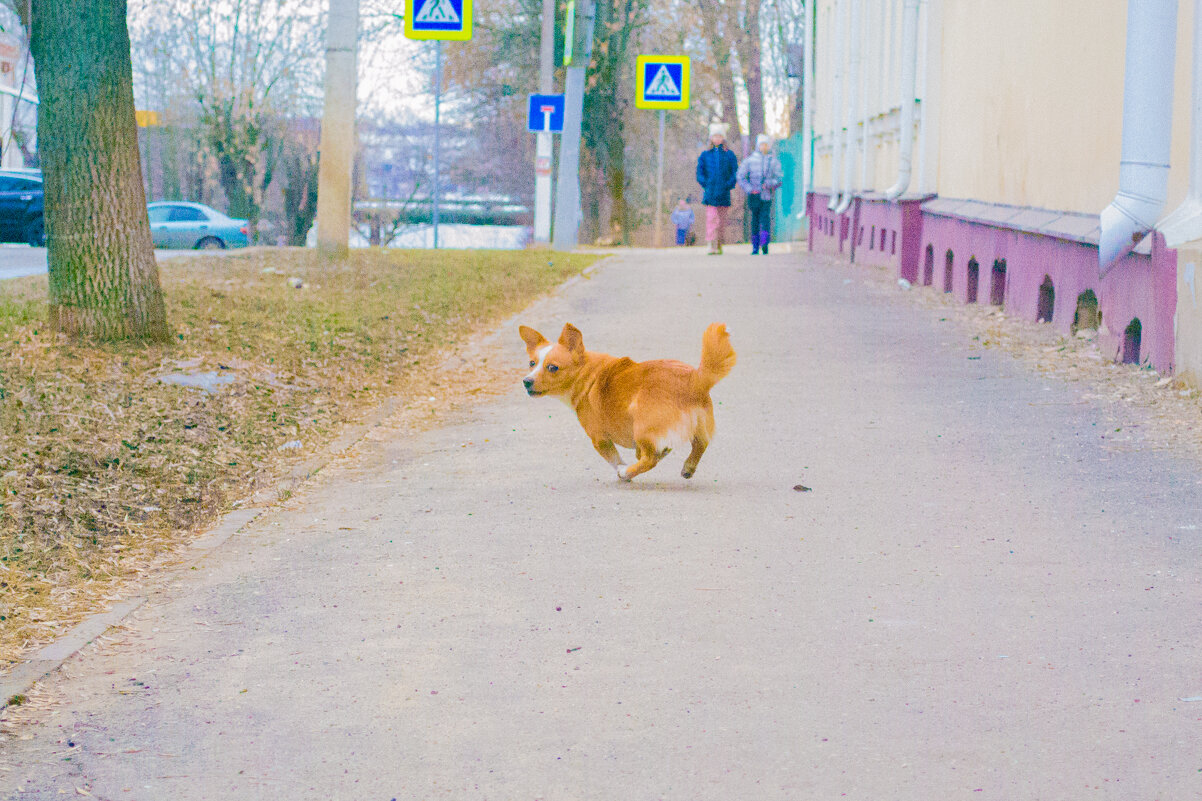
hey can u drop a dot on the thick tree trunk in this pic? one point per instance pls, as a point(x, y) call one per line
point(749, 57)
point(104, 283)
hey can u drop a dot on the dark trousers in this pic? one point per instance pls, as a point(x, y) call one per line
point(761, 219)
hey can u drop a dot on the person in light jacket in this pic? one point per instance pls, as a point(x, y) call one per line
point(759, 175)
point(682, 217)
point(717, 169)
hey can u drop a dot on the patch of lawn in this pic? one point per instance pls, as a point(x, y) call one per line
point(104, 468)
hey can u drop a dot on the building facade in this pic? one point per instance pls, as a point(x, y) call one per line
point(972, 145)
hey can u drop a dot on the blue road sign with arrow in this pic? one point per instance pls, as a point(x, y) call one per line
point(545, 113)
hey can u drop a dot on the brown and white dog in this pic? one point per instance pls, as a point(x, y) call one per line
point(649, 406)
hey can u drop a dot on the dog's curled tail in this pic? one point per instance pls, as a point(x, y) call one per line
point(717, 358)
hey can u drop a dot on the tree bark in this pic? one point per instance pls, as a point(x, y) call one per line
point(748, 43)
point(104, 282)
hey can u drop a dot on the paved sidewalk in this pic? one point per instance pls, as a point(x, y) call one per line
point(979, 598)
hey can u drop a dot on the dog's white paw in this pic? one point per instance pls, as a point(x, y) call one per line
point(622, 473)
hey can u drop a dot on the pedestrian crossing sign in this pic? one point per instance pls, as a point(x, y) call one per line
point(438, 19)
point(662, 82)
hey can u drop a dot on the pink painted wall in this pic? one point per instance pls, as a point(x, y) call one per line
point(890, 234)
point(1139, 286)
point(829, 232)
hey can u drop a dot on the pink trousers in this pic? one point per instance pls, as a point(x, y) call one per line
point(715, 222)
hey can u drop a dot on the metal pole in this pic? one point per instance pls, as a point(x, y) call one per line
point(544, 146)
point(659, 187)
point(338, 129)
point(437, 122)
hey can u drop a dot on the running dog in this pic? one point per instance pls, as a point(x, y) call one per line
point(651, 406)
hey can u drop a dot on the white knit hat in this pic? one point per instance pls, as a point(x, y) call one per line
point(763, 139)
point(718, 129)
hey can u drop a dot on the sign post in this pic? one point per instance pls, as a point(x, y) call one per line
point(544, 116)
point(543, 144)
point(659, 186)
point(662, 83)
point(440, 20)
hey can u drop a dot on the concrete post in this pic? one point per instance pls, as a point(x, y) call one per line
point(338, 129)
point(567, 196)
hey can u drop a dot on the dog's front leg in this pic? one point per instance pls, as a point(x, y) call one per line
point(609, 453)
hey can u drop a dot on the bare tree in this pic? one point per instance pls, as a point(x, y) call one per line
point(734, 37)
point(245, 64)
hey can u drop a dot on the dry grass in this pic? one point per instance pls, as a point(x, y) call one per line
point(104, 468)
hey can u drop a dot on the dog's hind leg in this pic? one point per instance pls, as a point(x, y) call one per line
point(649, 457)
point(610, 454)
point(690, 464)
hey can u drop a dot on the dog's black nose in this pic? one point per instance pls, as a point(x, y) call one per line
point(527, 382)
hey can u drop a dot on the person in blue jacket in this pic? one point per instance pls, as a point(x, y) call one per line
point(717, 171)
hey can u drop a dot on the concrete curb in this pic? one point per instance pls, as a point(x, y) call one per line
point(16, 682)
point(49, 658)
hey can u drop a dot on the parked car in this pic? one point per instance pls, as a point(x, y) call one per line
point(180, 225)
point(21, 198)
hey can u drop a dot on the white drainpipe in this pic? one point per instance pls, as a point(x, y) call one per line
point(909, 80)
point(1147, 129)
point(866, 86)
point(1185, 223)
point(837, 99)
point(807, 111)
point(853, 81)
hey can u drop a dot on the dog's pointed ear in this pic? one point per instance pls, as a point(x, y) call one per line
point(572, 339)
point(533, 339)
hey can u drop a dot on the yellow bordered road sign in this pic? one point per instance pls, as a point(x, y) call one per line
point(438, 19)
point(662, 82)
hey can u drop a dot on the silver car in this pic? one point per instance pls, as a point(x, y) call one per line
point(179, 225)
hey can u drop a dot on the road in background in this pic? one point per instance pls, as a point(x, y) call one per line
point(19, 260)
point(981, 596)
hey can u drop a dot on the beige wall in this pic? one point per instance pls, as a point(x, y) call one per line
point(878, 92)
point(1031, 102)
point(1023, 99)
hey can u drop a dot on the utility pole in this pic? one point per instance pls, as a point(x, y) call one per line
point(567, 194)
point(543, 149)
point(338, 129)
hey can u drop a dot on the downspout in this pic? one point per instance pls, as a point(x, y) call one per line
point(807, 111)
point(909, 80)
point(1185, 223)
point(865, 86)
point(1147, 129)
point(926, 104)
point(853, 80)
point(837, 100)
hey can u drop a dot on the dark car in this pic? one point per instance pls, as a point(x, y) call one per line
point(21, 207)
